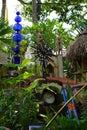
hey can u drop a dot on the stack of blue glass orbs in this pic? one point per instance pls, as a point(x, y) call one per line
point(17, 37)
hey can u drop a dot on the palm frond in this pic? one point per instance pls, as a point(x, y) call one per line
point(5, 29)
point(5, 40)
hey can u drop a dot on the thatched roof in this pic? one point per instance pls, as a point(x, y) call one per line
point(78, 49)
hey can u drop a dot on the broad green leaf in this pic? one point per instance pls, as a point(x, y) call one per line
point(10, 65)
point(33, 85)
point(5, 40)
point(24, 63)
point(18, 79)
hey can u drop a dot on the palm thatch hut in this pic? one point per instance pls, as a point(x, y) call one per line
point(77, 54)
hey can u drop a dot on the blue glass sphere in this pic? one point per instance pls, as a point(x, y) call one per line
point(18, 19)
point(18, 13)
point(16, 50)
point(17, 27)
point(17, 37)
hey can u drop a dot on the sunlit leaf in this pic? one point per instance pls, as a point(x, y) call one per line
point(33, 85)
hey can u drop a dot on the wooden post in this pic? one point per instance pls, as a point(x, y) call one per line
point(59, 57)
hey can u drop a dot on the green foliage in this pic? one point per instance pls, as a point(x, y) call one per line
point(64, 123)
point(48, 32)
point(69, 70)
point(69, 91)
point(71, 12)
point(5, 29)
point(15, 80)
point(72, 124)
point(34, 68)
point(21, 77)
point(67, 123)
point(66, 10)
point(17, 109)
point(84, 108)
point(2, 128)
point(5, 35)
point(49, 29)
point(33, 85)
point(24, 63)
point(27, 12)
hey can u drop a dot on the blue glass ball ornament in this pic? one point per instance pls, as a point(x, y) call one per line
point(18, 13)
point(16, 59)
point(17, 27)
point(17, 37)
point(16, 50)
point(18, 19)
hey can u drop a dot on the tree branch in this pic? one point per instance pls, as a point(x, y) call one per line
point(23, 2)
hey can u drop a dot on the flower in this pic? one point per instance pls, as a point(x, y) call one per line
point(8, 92)
point(71, 106)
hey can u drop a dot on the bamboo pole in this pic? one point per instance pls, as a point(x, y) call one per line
point(65, 105)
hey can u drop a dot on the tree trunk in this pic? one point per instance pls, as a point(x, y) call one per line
point(34, 12)
point(3, 9)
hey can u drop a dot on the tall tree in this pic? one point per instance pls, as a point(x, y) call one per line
point(34, 5)
point(70, 12)
point(3, 8)
point(34, 12)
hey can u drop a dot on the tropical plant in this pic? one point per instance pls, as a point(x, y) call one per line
point(50, 29)
point(64, 123)
point(71, 12)
point(69, 70)
point(18, 108)
point(84, 106)
point(5, 29)
point(5, 39)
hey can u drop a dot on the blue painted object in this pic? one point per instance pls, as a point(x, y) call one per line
point(64, 93)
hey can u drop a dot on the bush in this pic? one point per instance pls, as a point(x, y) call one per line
point(17, 109)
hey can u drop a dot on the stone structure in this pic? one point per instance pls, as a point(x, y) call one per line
point(55, 69)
